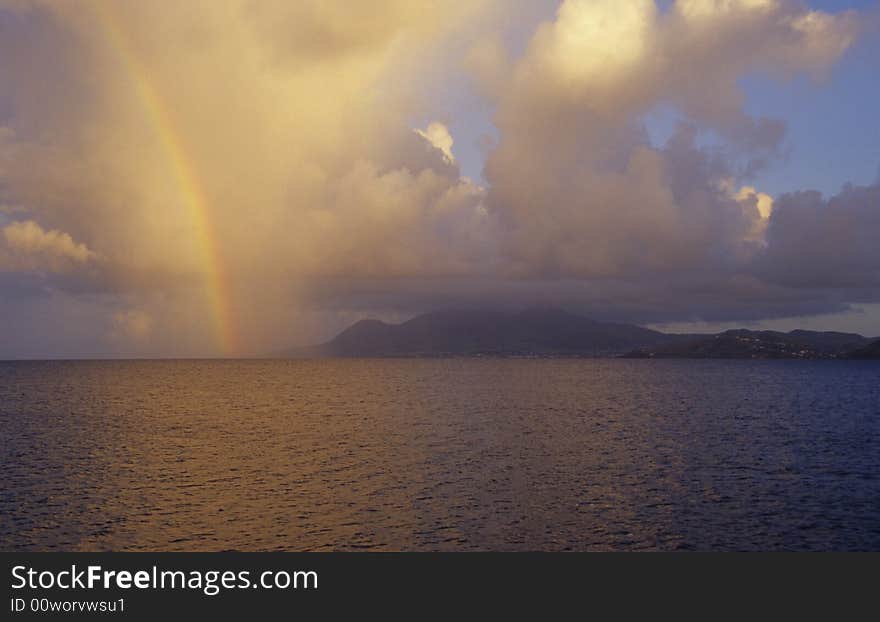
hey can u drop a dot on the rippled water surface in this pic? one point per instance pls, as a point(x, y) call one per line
point(440, 455)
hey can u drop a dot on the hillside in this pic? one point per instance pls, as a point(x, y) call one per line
point(534, 332)
point(871, 351)
point(749, 344)
point(553, 332)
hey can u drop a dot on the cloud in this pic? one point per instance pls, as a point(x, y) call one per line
point(580, 189)
point(29, 246)
point(272, 142)
point(439, 137)
point(814, 243)
point(762, 201)
point(272, 132)
point(760, 205)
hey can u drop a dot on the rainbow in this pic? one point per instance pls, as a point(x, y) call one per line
point(187, 180)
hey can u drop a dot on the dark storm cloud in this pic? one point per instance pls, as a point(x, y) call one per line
point(818, 243)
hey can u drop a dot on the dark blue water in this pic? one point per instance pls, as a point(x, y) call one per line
point(440, 455)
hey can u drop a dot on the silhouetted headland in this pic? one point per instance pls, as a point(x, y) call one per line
point(554, 332)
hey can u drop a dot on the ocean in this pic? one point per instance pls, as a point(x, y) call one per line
point(440, 454)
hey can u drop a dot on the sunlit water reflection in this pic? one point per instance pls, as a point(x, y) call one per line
point(440, 455)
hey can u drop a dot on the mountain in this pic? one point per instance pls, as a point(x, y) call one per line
point(552, 332)
point(750, 344)
point(538, 332)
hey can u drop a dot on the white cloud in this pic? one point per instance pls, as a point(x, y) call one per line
point(437, 134)
point(30, 246)
point(579, 187)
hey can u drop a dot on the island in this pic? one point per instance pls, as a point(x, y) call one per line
point(559, 333)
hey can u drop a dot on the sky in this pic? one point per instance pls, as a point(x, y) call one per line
point(230, 177)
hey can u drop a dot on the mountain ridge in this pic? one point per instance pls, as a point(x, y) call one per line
point(554, 332)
